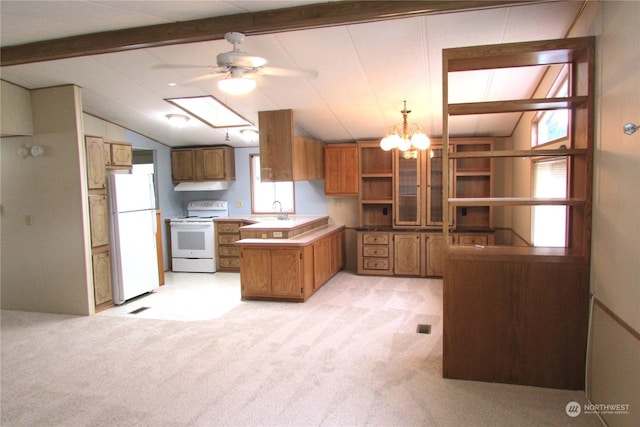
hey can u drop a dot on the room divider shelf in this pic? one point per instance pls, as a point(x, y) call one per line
point(519, 314)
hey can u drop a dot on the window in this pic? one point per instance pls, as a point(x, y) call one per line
point(553, 125)
point(549, 223)
point(264, 194)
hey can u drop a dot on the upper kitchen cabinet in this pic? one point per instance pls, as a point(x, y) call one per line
point(341, 170)
point(285, 156)
point(95, 153)
point(203, 164)
point(120, 154)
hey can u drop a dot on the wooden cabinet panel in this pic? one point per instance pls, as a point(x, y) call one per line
point(227, 254)
point(99, 220)
point(284, 156)
point(182, 165)
point(256, 276)
point(218, 164)
point(436, 252)
point(290, 274)
point(374, 253)
point(321, 262)
point(341, 170)
point(121, 154)
point(470, 239)
point(203, 164)
point(95, 163)
point(286, 273)
point(102, 278)
point(407, 254)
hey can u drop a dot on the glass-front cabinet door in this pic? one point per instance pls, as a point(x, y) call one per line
point(434, 186)
point(408, 200)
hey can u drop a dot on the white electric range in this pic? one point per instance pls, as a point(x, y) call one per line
point(193, 236)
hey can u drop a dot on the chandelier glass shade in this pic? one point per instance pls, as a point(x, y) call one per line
point(406, 136)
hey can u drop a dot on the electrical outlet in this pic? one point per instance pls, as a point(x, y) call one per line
point(238, 203)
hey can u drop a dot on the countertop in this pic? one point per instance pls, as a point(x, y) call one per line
point(303, 239)
point(271, 222)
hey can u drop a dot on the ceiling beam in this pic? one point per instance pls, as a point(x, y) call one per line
point(254, 23)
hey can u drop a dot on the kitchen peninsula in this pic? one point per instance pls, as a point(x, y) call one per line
point(289, 260)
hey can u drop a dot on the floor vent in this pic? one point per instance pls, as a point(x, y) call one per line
point(139, 310)
point(423, 329)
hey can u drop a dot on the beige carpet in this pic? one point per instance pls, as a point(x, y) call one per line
point(350, 356)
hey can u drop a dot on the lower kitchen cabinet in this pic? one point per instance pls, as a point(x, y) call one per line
point(227, 253)
point(375, 253)
point(102, 279)
point(280, 271)
point(408, 254)
point(436, 252)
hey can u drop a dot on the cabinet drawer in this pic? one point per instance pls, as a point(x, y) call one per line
point(227, 239)
point(375, 239)
point(472, 240)
point(228, 227)
point(229, 251)
point(375, 251)
point(375, 263)
point(230, 262)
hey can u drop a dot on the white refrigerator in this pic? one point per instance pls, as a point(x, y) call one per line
point(134, 261)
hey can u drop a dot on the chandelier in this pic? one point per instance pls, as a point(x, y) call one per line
point(406, 136)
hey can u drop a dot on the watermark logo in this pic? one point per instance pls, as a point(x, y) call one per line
point(573, 409)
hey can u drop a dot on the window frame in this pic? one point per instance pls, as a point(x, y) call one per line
point(272, 210)
point(534, 163)
point(563, 76)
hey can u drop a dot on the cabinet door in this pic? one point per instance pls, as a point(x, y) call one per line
point(121, 154)
point(332, 170)
point(99, 220)
point(102, 278)
point(182, 165)
point(95, 163)
point(435, 255)
point(213, 163)
point(434, 187)
point(407, 254)
point(276, 145)
point(286, 273)
point(321, 261)
point(255, 279)
point(337, 252)
point(341, 170)
point(408, 198)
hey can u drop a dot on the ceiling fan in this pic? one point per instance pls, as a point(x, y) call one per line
point(237, 67)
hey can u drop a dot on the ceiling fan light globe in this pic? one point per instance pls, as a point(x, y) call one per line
point(420, 141)
point(237, 85)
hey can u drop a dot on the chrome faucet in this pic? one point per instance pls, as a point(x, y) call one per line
point(281, 215)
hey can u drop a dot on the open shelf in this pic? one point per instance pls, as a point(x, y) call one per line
point(513, 201)
point(519, 153)
point(515, 106)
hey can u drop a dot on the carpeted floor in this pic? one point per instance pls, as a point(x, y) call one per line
point(349, 356)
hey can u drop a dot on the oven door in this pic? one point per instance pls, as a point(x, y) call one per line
point(192, 239)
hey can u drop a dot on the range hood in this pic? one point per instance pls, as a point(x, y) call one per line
point(202, 186)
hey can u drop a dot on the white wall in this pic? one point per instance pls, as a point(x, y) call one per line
point(45, 258)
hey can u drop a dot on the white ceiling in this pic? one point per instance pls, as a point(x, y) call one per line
point(365, 71)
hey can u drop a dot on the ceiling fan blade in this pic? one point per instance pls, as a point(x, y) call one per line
point(213, 74)
point(287, 72)
point(179, 66)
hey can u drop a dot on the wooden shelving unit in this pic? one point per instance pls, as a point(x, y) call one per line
point(520, 314)
point(376, 185)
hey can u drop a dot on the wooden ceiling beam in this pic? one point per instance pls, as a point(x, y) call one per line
point(254, 23)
